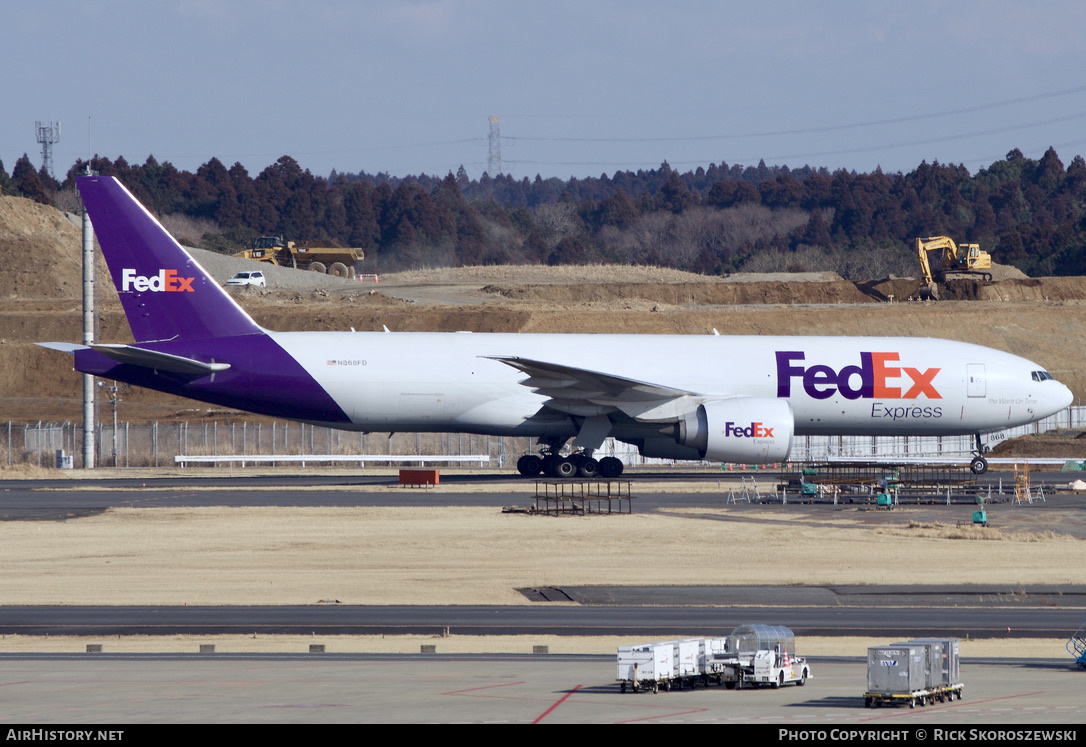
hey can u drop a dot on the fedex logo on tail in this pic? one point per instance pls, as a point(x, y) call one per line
point(754, 430)
point(878, 375)
point(166, 281)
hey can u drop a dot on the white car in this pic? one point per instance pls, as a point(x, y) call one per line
point(255, 277)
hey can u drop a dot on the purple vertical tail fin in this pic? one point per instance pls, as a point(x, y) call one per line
point(166, 295)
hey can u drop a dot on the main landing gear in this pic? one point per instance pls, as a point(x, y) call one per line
point(580, 464)
point(979, 465)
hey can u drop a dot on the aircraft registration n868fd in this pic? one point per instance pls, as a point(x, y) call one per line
point(721, 398)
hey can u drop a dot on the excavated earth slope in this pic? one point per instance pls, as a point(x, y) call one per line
point(1043, 319)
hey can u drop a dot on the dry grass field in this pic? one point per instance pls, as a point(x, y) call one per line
point(460, 555)
point(471, 555)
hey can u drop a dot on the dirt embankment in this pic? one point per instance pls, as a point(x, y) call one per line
point(696, 293)
point(1040, 318)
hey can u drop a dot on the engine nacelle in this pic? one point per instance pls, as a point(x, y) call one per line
point(746, 430)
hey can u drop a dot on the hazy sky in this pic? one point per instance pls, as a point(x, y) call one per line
point(582, 88)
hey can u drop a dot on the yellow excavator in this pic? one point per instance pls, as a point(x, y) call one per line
point(955, 260)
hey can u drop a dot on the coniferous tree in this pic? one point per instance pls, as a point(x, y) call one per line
point(27, 182)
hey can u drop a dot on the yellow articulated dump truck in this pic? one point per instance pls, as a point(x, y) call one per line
point(341, 262)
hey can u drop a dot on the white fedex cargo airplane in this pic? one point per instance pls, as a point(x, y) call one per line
point(732, 399)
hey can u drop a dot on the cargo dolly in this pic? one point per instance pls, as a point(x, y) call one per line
point(913, 698)
point(753, 655)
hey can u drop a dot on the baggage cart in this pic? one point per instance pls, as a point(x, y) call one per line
point(912, 673)
point(648, 666)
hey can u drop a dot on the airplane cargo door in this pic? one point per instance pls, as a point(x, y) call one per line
point(975, 374)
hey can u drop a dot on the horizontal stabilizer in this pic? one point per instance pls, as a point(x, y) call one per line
point(64, 347)
point(135, 356)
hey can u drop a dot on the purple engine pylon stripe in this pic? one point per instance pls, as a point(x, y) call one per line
point(165, 293)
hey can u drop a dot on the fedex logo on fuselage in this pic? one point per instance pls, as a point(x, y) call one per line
point(754, 430)
point(166, 281)
point(877, 376)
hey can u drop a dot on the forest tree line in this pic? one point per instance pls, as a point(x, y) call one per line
point(714, 220)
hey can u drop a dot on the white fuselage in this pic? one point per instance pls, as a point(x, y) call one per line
point(835, 385)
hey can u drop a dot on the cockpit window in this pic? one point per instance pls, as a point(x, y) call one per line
point(1042, 376)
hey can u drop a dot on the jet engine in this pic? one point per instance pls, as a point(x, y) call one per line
point(747, 430)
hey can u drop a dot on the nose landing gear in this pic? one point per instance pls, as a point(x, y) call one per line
point(979, 465)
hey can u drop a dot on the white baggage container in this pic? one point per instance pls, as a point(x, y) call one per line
point(687, 654)
point(646, 666)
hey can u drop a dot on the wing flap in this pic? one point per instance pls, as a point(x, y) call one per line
point(581, 392)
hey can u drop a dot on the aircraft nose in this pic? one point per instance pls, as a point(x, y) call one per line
point(1065, 397)
point(1056, 398)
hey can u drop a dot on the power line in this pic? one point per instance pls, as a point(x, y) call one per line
point(814, 130)
point(839, 152)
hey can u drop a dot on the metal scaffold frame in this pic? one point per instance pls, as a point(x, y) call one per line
point(580, 497)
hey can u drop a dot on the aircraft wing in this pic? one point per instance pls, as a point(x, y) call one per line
point(579, 391)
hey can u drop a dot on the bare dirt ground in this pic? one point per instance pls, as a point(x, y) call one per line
point(415, 556)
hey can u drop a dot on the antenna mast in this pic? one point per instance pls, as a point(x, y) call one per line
point(47, 135)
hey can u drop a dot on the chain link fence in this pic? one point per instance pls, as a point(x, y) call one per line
point(156, 444)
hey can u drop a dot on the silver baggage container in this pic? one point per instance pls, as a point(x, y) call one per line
point(934, 673)
point(897, 668)
point(946, 659)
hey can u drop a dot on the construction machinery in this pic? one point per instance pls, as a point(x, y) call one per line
point(338, 261)
point(955, 260)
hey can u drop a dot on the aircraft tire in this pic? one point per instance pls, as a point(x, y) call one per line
point(978, 466)
point(529, 465)
point(589, 468)
point(610, 468)
point(563, 467)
